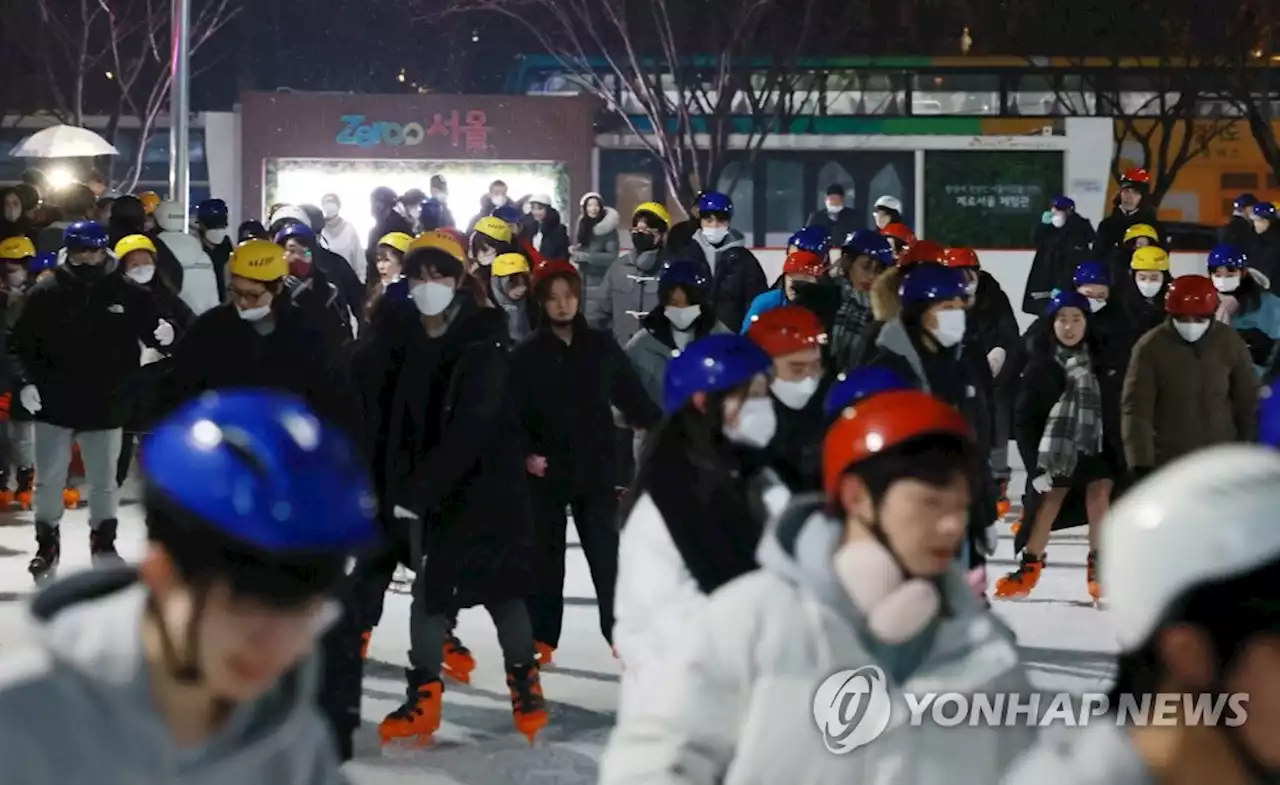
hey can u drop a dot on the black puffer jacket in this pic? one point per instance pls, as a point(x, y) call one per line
point(555, 237)
point(1143, 313)
point(1238, 232)
point(992, 323)
point(1058, 252)
point(1111, 230)
point(1264, 252)
point(736, 276)
point(796, 449)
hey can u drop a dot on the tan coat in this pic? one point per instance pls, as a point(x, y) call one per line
point(1180, 397)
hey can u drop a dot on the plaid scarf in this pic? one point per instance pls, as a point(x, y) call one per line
point(852, 317)
point(1075, 422)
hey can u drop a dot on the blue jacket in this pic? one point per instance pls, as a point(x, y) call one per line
point(774, 298)
point(1265, 318)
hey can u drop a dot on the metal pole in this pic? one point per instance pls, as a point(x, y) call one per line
point(179, 108)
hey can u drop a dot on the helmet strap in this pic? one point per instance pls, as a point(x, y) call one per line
point(188, 671)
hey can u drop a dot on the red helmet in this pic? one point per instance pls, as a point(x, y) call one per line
point(1136, 175)
point(1191, 295)
point(899, 232)
point(961, 257)
point(553, 268)
point(883, 421)
point(805, 263)
point(923, 251)
point(786, 330)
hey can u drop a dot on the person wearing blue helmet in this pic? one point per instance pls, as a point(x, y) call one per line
point(835, 216)
point(1063, 239)
point(72, 353)
point(859, 384)
point(1264, 247)
point(41, 268)
point(511, 216)
point(254, 508)
point(1246, 303)
point(681, 317)
point(308, 287)
point(1239, 228)
point(1110, 325)
point(815, 239)
point(697, 514)
point(212, 222)
point(736, 275)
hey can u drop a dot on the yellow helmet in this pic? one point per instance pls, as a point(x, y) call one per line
point(494, 228)
point(397, 240)
point(17, 248)
point(1141, 230)
point(654, 209)
point(1150, 258)
point(258, 260)
point(439, 241)
point(150, 201)
point(134, 242)
point(510, 264)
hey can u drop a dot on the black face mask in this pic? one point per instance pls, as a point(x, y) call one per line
point(804, 290)
point(88, 273)
point(643, 242)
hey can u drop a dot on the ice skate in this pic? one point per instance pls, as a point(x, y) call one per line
point(458, 661)
point(365, 637)
point(528, 707)
point(1003, 505)
point(44, 565)
point(419, 718)
point(1091, 580)
point(71, 498)
point(6, 495)
point(25, 495)
point(1020, 583)
point(1015, 527)
point(545, 654)
point(102, 544)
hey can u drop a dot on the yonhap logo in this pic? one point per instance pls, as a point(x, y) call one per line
point(852, 709)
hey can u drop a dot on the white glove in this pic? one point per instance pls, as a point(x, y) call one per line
point(1042, 484)
point(164, 333)
point(990, 541)
point(29, 396)
point(402, 514)
point(995, 359)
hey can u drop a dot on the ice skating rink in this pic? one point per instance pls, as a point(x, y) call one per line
point(1065, 641)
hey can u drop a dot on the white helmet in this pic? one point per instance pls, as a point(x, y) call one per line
point(1207, 517)
point(170, 217)
point(291, 212)
point(889, 203)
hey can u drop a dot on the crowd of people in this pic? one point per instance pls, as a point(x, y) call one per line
point(770, 480)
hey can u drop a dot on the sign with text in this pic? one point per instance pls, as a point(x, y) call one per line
point(471, 132)
point(989, 199)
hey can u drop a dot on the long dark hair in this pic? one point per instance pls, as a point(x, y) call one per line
point(587, 224)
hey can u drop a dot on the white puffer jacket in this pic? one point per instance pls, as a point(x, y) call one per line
point(199, 285)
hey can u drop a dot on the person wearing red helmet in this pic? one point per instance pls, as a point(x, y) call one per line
point(857, 587)
point(1190, 384)
point(1131, 207)
point(800, 269)
point(793, 338)
point(900, 236)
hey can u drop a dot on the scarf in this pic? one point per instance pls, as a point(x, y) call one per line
point(852, 318)
point(1074, 426)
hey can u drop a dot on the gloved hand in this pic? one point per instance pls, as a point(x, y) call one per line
point(30, 398)
point(164, 333)
point(1046, 217)
point(401, 514)
point(990, 541)
point(1042, 484)
point(995, 359)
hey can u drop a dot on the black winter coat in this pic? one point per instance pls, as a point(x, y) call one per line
point(222, 351)
point(340, 274)
point(846, 221)
point(1143, 314)
point(1058, 252)
point(992, 324)
point(454, 459)
point(1238, 232)
point(796, 449)
point(322, 303)
point(79, 345)
point(564, 393)
point(737, 280)
point(1264, 252)
point(555, 237)
point(392, 222)
point(1111, 230)
point(220, 255)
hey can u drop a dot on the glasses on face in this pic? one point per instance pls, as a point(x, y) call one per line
point(246, 298)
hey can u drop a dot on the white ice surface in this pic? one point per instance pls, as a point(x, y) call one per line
point(1066, 642)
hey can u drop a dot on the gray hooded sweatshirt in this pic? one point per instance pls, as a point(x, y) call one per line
point(76, 706)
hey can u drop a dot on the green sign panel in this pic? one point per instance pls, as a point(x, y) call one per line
point(988, 199)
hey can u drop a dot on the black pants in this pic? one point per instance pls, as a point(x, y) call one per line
point(595, 518)
point(127, 443)
point(374, 572)
point(343, 672)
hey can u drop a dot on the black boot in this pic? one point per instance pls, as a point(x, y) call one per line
point(102, 543)
point(44, 565)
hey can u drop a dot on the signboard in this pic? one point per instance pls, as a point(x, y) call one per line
point(989, 199)
point(471, 132)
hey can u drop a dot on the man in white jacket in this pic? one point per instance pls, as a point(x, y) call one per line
point(800, 672)
point(199, 284)
point(340, 236)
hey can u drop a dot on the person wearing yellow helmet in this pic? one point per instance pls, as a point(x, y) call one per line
point(490, 237)
point(510, 289)
point(391, 250)
point(1143, 299)
point(16, 254)
point(629, 289)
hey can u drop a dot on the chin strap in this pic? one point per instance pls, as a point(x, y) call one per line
point(187, 672)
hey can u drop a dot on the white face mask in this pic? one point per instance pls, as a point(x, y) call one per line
point(432, 297)
point(756, 425)
point(834, 207)
point(882, 220)
point(215, 236)
point(487, 258)
point(17, 279)
point(1226, 283)
point(415, 211)
point(1149, 288)
point(330, 209)
point(682, 318)
point(794, 395)
point(971, 288)
point(950, 329)
point(255, 314)
point(715, 235)
point(498, 201)
point(142, 274)
point(440, 196)
point(1097, 304)
point(1058, 220)
point(1191, 331)
point(12, 214)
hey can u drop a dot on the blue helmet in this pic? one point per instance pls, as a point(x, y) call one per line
point(1063, 203)
point(861, 383)
point(1265, 210)
point(929, 283)
point(1068, 298)
point(42, 262)
point(1244, 200)
point(435, 215)
point(1090, 273)
point(85, 235)
point(1269, 415)
point(211, 208)
point(397, 291)
point(869, 242)
point(507, 214)
point(816, 239)
point(715, 202)
point(257, 473)
point(296, 231)
point(683, 272)
point(715, 363)
point(1228, 256)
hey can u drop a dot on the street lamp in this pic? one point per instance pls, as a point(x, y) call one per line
point(180, 109)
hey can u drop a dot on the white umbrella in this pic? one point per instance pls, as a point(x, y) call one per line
point(63, 141)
